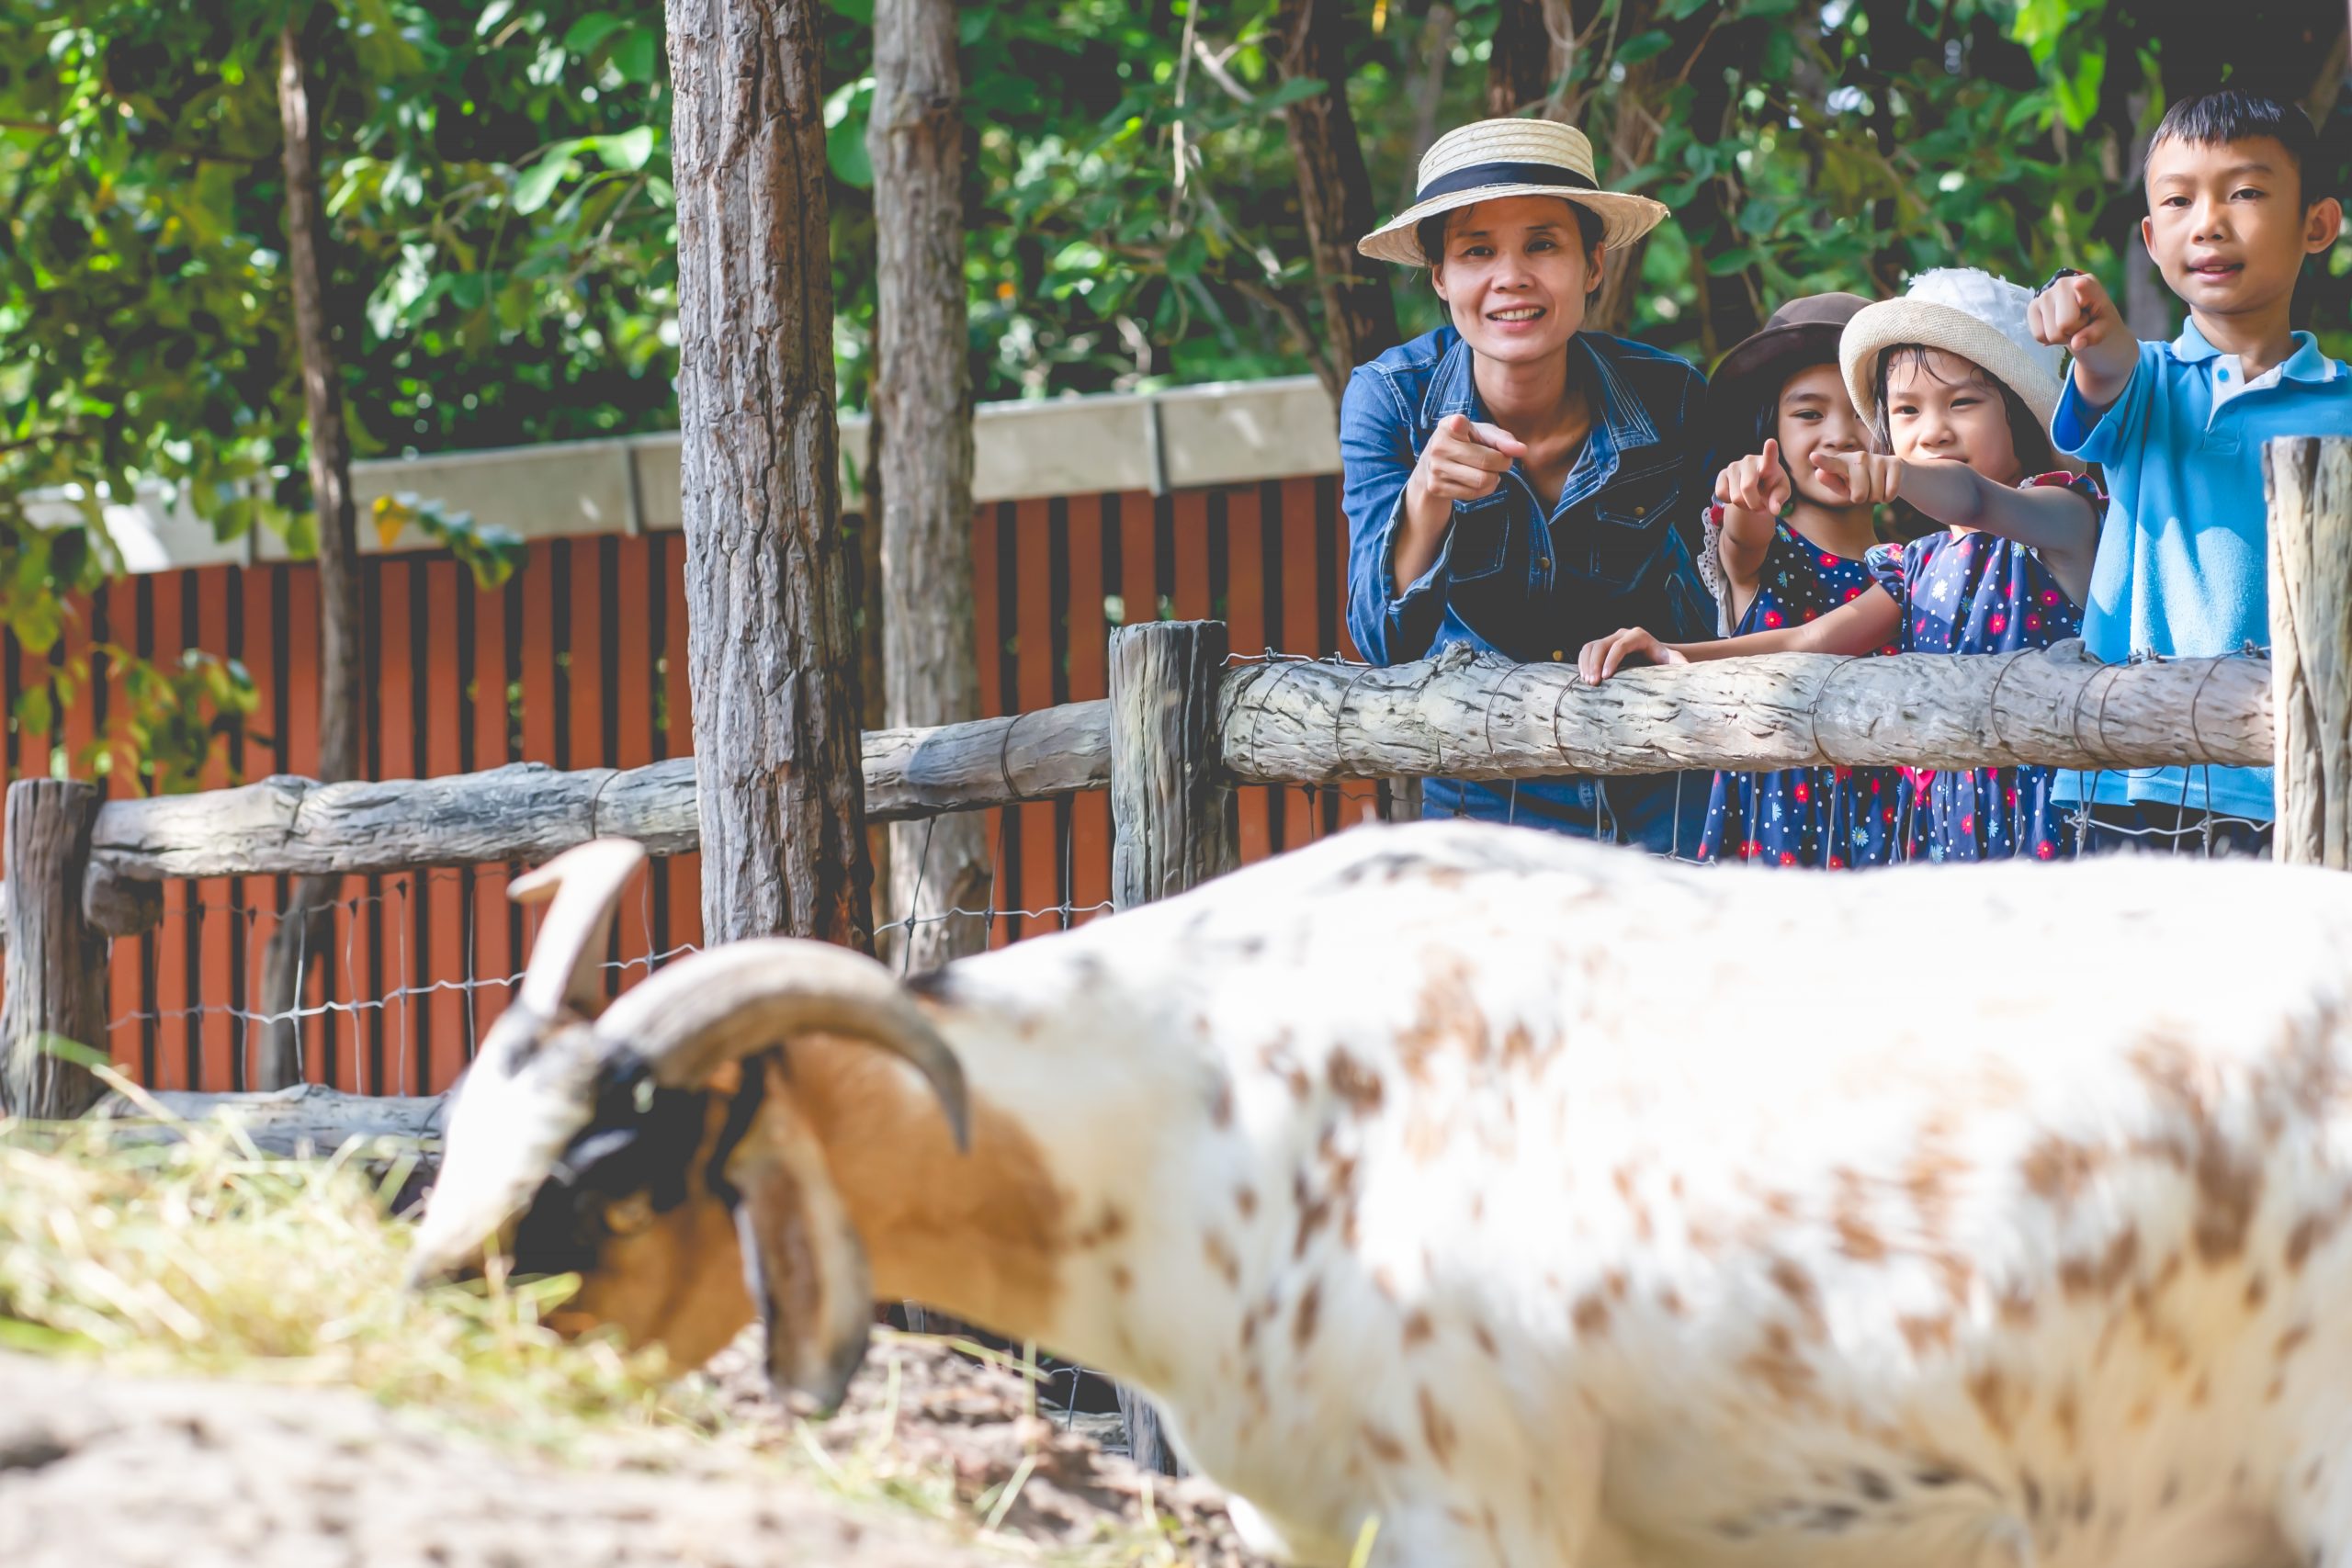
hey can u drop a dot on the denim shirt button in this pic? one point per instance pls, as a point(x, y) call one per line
point(1559, 656)
point(1542, 563)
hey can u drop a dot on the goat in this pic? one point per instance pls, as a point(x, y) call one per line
point(1543, 1203)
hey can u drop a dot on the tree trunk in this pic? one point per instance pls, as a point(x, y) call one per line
point(1425, 89)
point(922, 464)
point(772, 645)
point(1334, 191)
point(1631, 141)
point(56, 961)
point(306, 928)
point(1519, 61)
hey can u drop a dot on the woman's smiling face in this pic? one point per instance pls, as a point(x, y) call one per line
point(1515, 276)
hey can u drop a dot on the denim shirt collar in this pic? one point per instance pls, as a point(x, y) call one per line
point(1623, 425)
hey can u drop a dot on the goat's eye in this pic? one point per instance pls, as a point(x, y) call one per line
point(627, 1216)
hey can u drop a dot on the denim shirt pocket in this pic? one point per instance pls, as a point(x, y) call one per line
point(1482, 536)
point(1627, 522)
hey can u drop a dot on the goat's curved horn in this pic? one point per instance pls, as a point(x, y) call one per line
point(719, 1005)
point(585, 883)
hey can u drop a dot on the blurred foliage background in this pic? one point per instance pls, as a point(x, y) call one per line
point(503, 266)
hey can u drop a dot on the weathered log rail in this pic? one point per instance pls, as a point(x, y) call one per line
point(1293, 722)
point(527, 811)
point(1462, 716)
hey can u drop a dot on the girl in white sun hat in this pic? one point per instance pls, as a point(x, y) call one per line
point(1512, 480)
point(1960, 395)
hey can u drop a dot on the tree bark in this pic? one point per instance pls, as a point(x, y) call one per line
point(305, 929)
point(1334, 192)
point(923, 467)
point(1472, 717)
point(2310, 486)
point(1519, 61)
point(772, 646)
point(1425, 90)
point(56, 961)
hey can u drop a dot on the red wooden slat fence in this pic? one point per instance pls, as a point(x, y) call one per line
point(579, 660)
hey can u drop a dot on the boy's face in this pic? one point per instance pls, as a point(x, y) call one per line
point(2228, 226)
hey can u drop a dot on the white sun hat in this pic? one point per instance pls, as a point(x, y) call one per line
point(1964, 311)
point(1490, 158)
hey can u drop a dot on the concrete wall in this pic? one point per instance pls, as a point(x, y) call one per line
point(1228, 434)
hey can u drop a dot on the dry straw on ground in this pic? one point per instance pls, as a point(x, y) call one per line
point(124, 1265)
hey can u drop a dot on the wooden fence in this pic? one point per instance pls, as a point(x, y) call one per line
point(578, 663)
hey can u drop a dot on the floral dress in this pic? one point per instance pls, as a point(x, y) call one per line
point(1822, 817)
point(1977, 593)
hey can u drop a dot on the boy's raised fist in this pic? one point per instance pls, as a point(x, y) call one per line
point(2073, 313)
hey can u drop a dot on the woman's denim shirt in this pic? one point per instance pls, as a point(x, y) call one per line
point(1512, 580)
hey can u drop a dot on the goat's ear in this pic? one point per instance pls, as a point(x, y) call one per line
point(803, 1261)
point(586, 884)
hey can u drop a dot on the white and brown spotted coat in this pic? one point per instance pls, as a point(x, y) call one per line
point(1556, 1206)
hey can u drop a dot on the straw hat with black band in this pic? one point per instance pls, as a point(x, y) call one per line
point(1490, 158)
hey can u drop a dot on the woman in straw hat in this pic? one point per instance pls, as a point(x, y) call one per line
point(1512, 480)
point(1961, 394)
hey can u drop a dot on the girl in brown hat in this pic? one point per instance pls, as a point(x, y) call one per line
point(1784, 547)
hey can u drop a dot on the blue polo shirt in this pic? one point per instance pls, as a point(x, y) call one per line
point(2183, 557)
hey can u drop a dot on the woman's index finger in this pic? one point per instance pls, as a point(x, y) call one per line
point(1501, 440)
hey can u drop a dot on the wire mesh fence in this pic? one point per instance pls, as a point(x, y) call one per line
point(415, 967)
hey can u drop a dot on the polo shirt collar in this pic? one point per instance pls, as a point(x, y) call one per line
point(2306, 364)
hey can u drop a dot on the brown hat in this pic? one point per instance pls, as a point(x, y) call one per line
point(1804, 332)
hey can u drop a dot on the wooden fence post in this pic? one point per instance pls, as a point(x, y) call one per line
point(2309, 481)
point(1171, 815)
point(56, 963)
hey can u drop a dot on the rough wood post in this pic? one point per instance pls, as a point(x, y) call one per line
point(2309, 481)
point(1171, 817)
point(56, 964)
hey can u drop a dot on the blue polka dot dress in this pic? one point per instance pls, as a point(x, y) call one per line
point(1818, 817)
point(1977, 593)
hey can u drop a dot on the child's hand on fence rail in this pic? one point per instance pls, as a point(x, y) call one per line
point(1756, 483)
point(1601, 659)
point(1862, 479)
point(1464, 459)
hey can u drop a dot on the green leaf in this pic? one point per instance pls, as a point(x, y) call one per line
point(585, 35)
point(637, 54)
point(538, 181)
point(1642, 46)
point(845, 118)
point(627, 150)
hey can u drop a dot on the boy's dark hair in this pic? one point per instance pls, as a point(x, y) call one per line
point(2027, 434)
point(1431, 231)
point(2233, 114)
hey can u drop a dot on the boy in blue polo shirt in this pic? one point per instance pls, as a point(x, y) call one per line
point(2183, 565)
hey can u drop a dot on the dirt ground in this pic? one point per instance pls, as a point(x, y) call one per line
point(100, 1470)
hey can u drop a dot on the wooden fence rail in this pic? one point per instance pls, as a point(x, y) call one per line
point(1293, 722)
